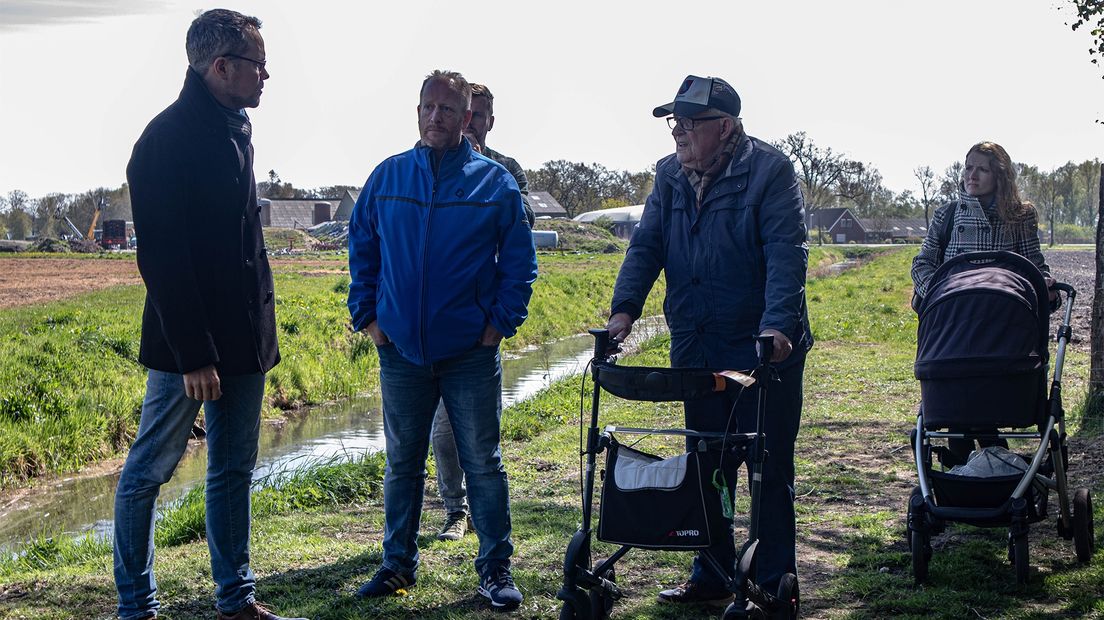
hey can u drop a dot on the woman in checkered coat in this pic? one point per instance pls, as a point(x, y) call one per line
point(988, 214)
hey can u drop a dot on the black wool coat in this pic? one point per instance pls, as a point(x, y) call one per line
point(209, 294)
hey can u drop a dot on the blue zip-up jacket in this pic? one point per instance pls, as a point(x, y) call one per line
point(435, 258)
point(733, 269)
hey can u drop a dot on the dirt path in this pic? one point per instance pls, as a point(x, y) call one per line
point(30, 281)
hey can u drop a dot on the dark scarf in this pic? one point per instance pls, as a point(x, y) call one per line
point(702, 181)
point(241, 130)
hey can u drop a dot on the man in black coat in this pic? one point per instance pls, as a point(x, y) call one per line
point(208, 329)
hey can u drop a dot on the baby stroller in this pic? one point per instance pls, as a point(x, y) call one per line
point(981, 358)
point(670, 504)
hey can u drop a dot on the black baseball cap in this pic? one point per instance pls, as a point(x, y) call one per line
point(698, 94)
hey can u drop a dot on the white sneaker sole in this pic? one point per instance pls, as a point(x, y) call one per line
point(487, 594)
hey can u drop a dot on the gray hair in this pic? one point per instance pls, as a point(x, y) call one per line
point(216, 33)
point(456, 83)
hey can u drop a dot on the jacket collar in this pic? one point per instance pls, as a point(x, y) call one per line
point(201, 104)
point(452, 161)
point(741, 161)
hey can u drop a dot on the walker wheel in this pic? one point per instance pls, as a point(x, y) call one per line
point(788, 598)
point(1084, 536)
point(578, 608)
point(601, 603)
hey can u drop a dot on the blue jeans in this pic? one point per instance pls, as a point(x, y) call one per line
point(233, 424)
point(776, 554)
point(471, 386)
point(450, 476)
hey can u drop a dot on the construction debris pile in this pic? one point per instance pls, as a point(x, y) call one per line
point(332, 235)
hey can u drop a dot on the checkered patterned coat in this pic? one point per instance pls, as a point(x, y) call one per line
point(975, 229)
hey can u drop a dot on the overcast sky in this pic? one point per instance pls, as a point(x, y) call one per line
point(894, 84)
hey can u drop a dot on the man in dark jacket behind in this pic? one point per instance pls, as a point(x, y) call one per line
point(725, 223)
point(208, 329)
point(450, 476)
point(442, 266)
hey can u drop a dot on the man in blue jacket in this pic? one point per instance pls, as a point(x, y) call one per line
point(725, 223)
point(442, 265)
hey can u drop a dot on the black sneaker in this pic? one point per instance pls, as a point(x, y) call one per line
point(691, 592)
point(498, 586)
point(385, 583)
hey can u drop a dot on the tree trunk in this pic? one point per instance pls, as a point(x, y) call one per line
point(1096, 370)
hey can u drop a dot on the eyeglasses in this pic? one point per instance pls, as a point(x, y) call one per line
point(259, 63)
point(688, 124)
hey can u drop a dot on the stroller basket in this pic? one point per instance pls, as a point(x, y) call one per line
point(970, 492)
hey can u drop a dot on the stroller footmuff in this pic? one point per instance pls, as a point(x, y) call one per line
point(981, 358)
point(676, 503)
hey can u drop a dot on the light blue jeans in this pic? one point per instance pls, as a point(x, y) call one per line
point(233, 425)
point(471, 386)
point(450, 476)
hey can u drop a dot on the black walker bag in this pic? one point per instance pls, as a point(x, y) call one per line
point(657, 503)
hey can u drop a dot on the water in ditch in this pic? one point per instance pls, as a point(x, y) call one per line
point(81, 504)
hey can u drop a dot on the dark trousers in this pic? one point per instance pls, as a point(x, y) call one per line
point(777, 528)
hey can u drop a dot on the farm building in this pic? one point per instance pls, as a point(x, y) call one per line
point(895, 230)
point(624, 219)
point(544, 205)
point(837, 224)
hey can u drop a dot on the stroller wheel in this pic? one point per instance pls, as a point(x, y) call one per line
point(921, 555)
point(1083, 533)
point(1020, 557)
point(789, 598)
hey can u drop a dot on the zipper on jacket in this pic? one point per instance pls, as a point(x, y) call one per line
point(425, 266)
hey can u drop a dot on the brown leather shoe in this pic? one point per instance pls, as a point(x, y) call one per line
point(256, 611)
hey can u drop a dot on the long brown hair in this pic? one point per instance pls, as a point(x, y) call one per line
point(1011, 208)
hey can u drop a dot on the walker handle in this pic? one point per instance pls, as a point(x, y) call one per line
point(601, 343)
point(764, 347)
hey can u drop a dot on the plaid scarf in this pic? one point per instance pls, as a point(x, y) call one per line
point(702, 181)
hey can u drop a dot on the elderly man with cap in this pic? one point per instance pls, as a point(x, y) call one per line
point(725, 223)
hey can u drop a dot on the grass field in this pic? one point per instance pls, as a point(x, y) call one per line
point(71, 386)
point(316, 539)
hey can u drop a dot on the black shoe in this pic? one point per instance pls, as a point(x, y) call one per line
point(385, 583)
point(693, 593)
point(498, 586)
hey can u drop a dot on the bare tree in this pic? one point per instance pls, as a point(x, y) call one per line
point(926, 177)
point(818, 168)
point(949, 182)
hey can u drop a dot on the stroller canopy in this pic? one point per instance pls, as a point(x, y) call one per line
point(982, 341)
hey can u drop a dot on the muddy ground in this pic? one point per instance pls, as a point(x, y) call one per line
point(30, 281)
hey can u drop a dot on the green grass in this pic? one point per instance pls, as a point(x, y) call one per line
point(71, 387)
point(854, 475)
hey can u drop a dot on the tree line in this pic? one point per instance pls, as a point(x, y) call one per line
point(1066, 196)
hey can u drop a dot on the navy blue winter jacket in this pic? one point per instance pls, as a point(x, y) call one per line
point(733, 269)
point(435, 258)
